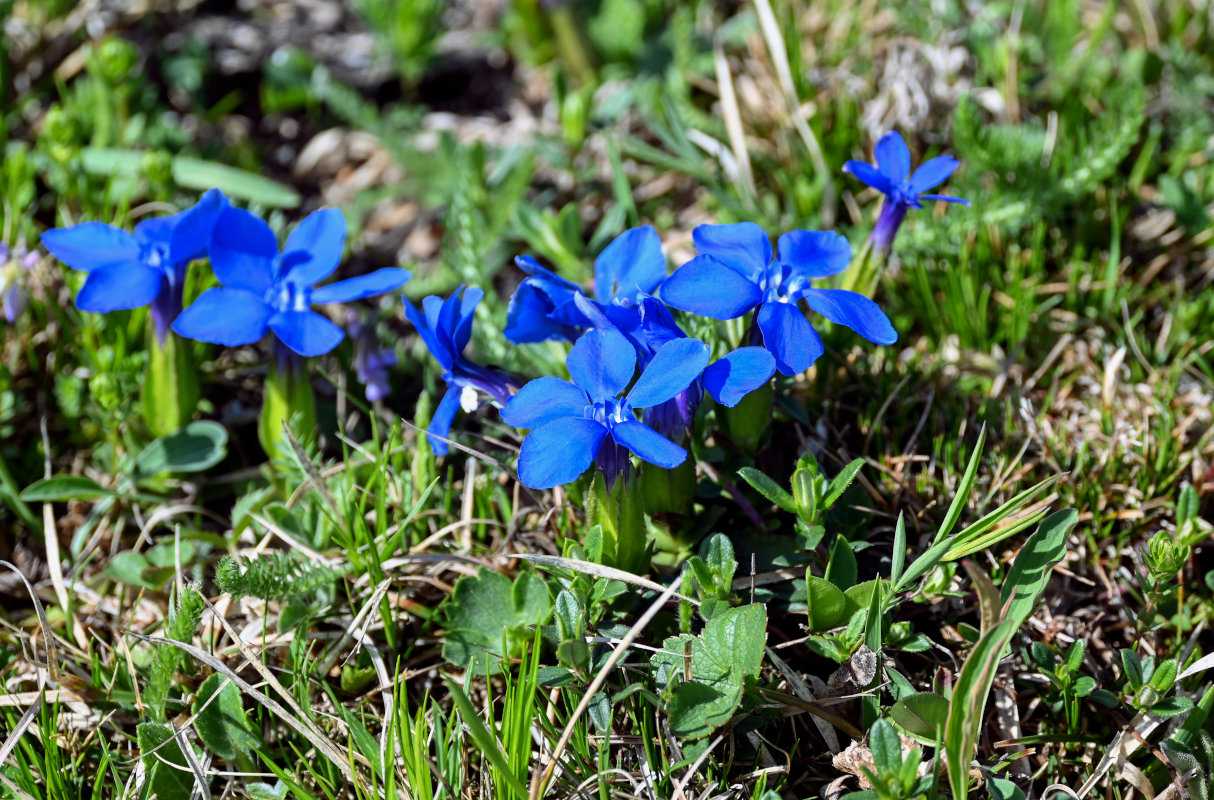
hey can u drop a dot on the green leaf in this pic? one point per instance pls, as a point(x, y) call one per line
point(923, 715)
point(769, 489)
point(1132, 667)
point(196, 447)
point(133, 568)
point(169, 781)
point(487, 612)
point(827, 605)
point(963, 489)
point(1074, 657)
point(1172, 706)
point(841, 569)
point(1031, 570)
point(898, 557)
point(220, 720)
point(839, 484)
point(195, 173)
point(968, 703)
point(886, 747)
point(61, 488)
point(723, 657)
point(717, 552)
point(1164, 676)
point(1003, 789)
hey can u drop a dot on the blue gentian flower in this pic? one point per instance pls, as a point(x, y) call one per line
point(129, 270)
point(264, 289)
point(14, 264)
point(650, 326)
point(545, 305)
point(892, 177)
point(446, 328)
point(371, 362)
point(734, 273)
point(574, 424)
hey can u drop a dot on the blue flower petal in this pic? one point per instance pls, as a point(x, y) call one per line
point(155, 230)
point(559, 452)
point(447, 322)
point(529, 317)
point(932, 173)
point(119, 287)
point(462, 334)
point(193, 228)
point(306, 332)
point(737, 374)
point(243, 249)
point(870, 175)
point(946, 198)
point(647, 443)
point(224, 316)
point(632, 263)
point(855, 311)
point(546, 276)
point(815, 254)
point(742, 246)
point(438, 349)
point(708, 287)
point(321, 235)
point(657, 325)
point(893, 157)
point(91, 245)
point(789, 337)
point(440, 422)
point(601, 362)
point(544, 400)
point(369, 285)
point(673, 368)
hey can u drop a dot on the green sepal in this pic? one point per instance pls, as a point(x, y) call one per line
point(288, 395)
point(170, 385)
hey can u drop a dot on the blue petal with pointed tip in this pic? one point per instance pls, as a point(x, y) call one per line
point(673, 368)
point(789, 337)
point(243, 249)
point(854, 311)
point(440, 422)
point(815, 254)
point(559, 452)
point(893, 157)
point(91, 245)
point(362, 286)
point(741, 246)
point(602, 363)
point(647, 443)
point(322, 235)
point(633, 263)
point(306, 332)
point(225, 316)
point(119, 287)
point(737, 374)
point(542, 401)
point(707, 287)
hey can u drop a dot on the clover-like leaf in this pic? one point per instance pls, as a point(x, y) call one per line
point(490, 617)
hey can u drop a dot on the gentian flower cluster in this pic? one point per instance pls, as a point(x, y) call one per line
point(637, 377)
point(14, 264)
point(903, 190)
